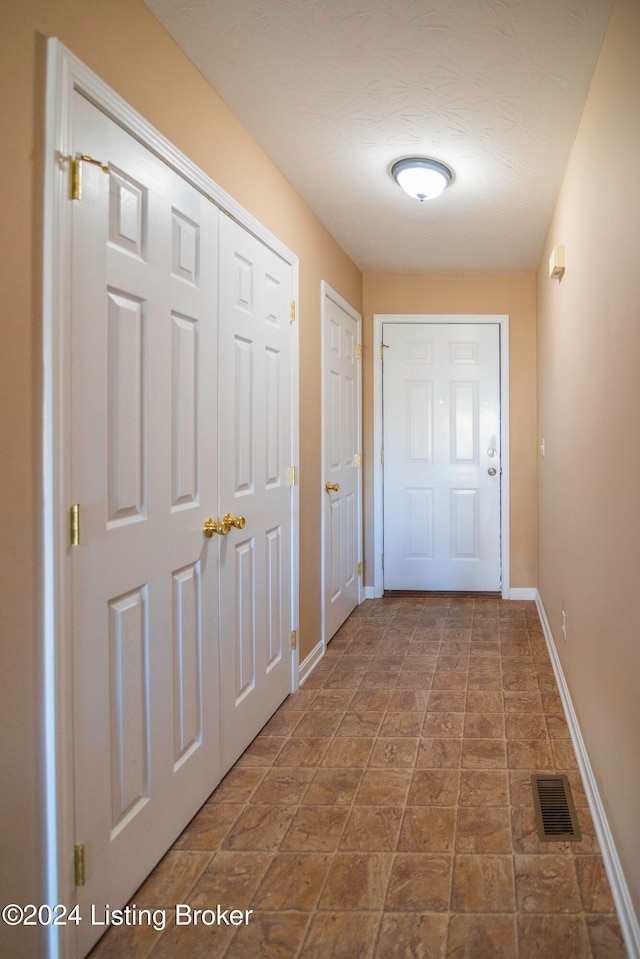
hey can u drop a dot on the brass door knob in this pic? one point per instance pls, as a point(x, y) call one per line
point(332, 486)
point(212, 526)
point(239, 522)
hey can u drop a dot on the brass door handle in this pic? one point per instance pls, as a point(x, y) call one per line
point(239, 522)
point(212, 526)
point(223, 526)
point(332, 486)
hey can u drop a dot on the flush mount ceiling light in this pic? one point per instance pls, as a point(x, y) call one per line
point(421, 177)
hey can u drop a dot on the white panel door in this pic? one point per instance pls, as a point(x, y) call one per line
point(341, 476)
point(142, 372)
point(255, 440)
point(441, 396)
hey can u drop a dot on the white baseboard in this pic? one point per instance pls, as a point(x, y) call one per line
point(310, 662)
point(523, 592)
point(617, 881)
point(370, 592)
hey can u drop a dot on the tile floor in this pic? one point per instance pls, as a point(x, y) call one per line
point(385, 811)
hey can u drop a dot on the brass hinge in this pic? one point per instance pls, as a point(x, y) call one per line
point(382, 456)
point(78, 865)
point(358, 461)
point(293, 639)
point(359, 569)
point(292, 311)
point(76, 173)
point(359, 351)
point(292, 476)
point(74, 525)
point(383, 347)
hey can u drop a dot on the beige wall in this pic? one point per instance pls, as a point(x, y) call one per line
point(514, 295)
point(589, 416)
point(122, 42)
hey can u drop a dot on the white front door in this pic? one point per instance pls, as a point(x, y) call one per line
point(441, 397)
point(255, 439)
point(142, 370)
point(341, 476)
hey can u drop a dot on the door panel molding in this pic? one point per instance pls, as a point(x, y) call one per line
point(65, 76)
point(424, 318)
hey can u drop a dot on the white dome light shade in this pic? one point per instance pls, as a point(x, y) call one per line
point(421, 177)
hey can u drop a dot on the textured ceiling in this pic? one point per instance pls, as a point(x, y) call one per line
point(336, 90)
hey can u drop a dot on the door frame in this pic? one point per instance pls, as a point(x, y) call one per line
point(66, 74)
point(328, 293)
point(502, 320)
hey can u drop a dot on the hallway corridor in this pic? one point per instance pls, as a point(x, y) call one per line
point(385, 811)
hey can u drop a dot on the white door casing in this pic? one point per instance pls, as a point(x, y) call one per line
point(342, 460)
point(464, 395)
point(143, 469)
point(130, 609)
point(255, 460)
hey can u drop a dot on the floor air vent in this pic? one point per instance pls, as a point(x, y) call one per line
point(555, 813)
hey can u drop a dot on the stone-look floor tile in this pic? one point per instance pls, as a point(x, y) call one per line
point(524, 726)
point(283, 785)
point(546, 884)
point(356, 881)
point(408, 700)
point(348, 752)
point(447, 701)
point(370, 701)
point(484, 678)
point(333, 787)
point(439, 753)
point(281, 723)
point(588, 844)
point(270, 935)
point(443, 725)
point(172, 879)
point(414, 678)
point(302, 752)
point(259, 827)
point(483, 754)
point(237, 786)
point(483, 787)
point(262, 752)
point(557, 727)
point(594, 884)
point(329, 700)
point(364, 724)
point(453, 664)
point(525, 835)
point(340, 936)
point(411, 936)
point(230, 879)
point(402, 724)
point(317, 724)
point(563, 754)
point(605, 936)
point(484, 726)
point(188, 941)
point(552, 703)
point(519, 676)
point(560, 937)
point(208, 828)
point(315, 829)
point(383, 787)
point(483, 830)
point(520, 787)
point(434, 787)
point(427, 829)
point(419, 882)
point(453, 681)
point(299, 701)
point(372, 829)
point(529, 754)
point(482, 884)
point(484, 702)
point(482, 937)
point(522, 702)
point(292, 881)
point(394, 753)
